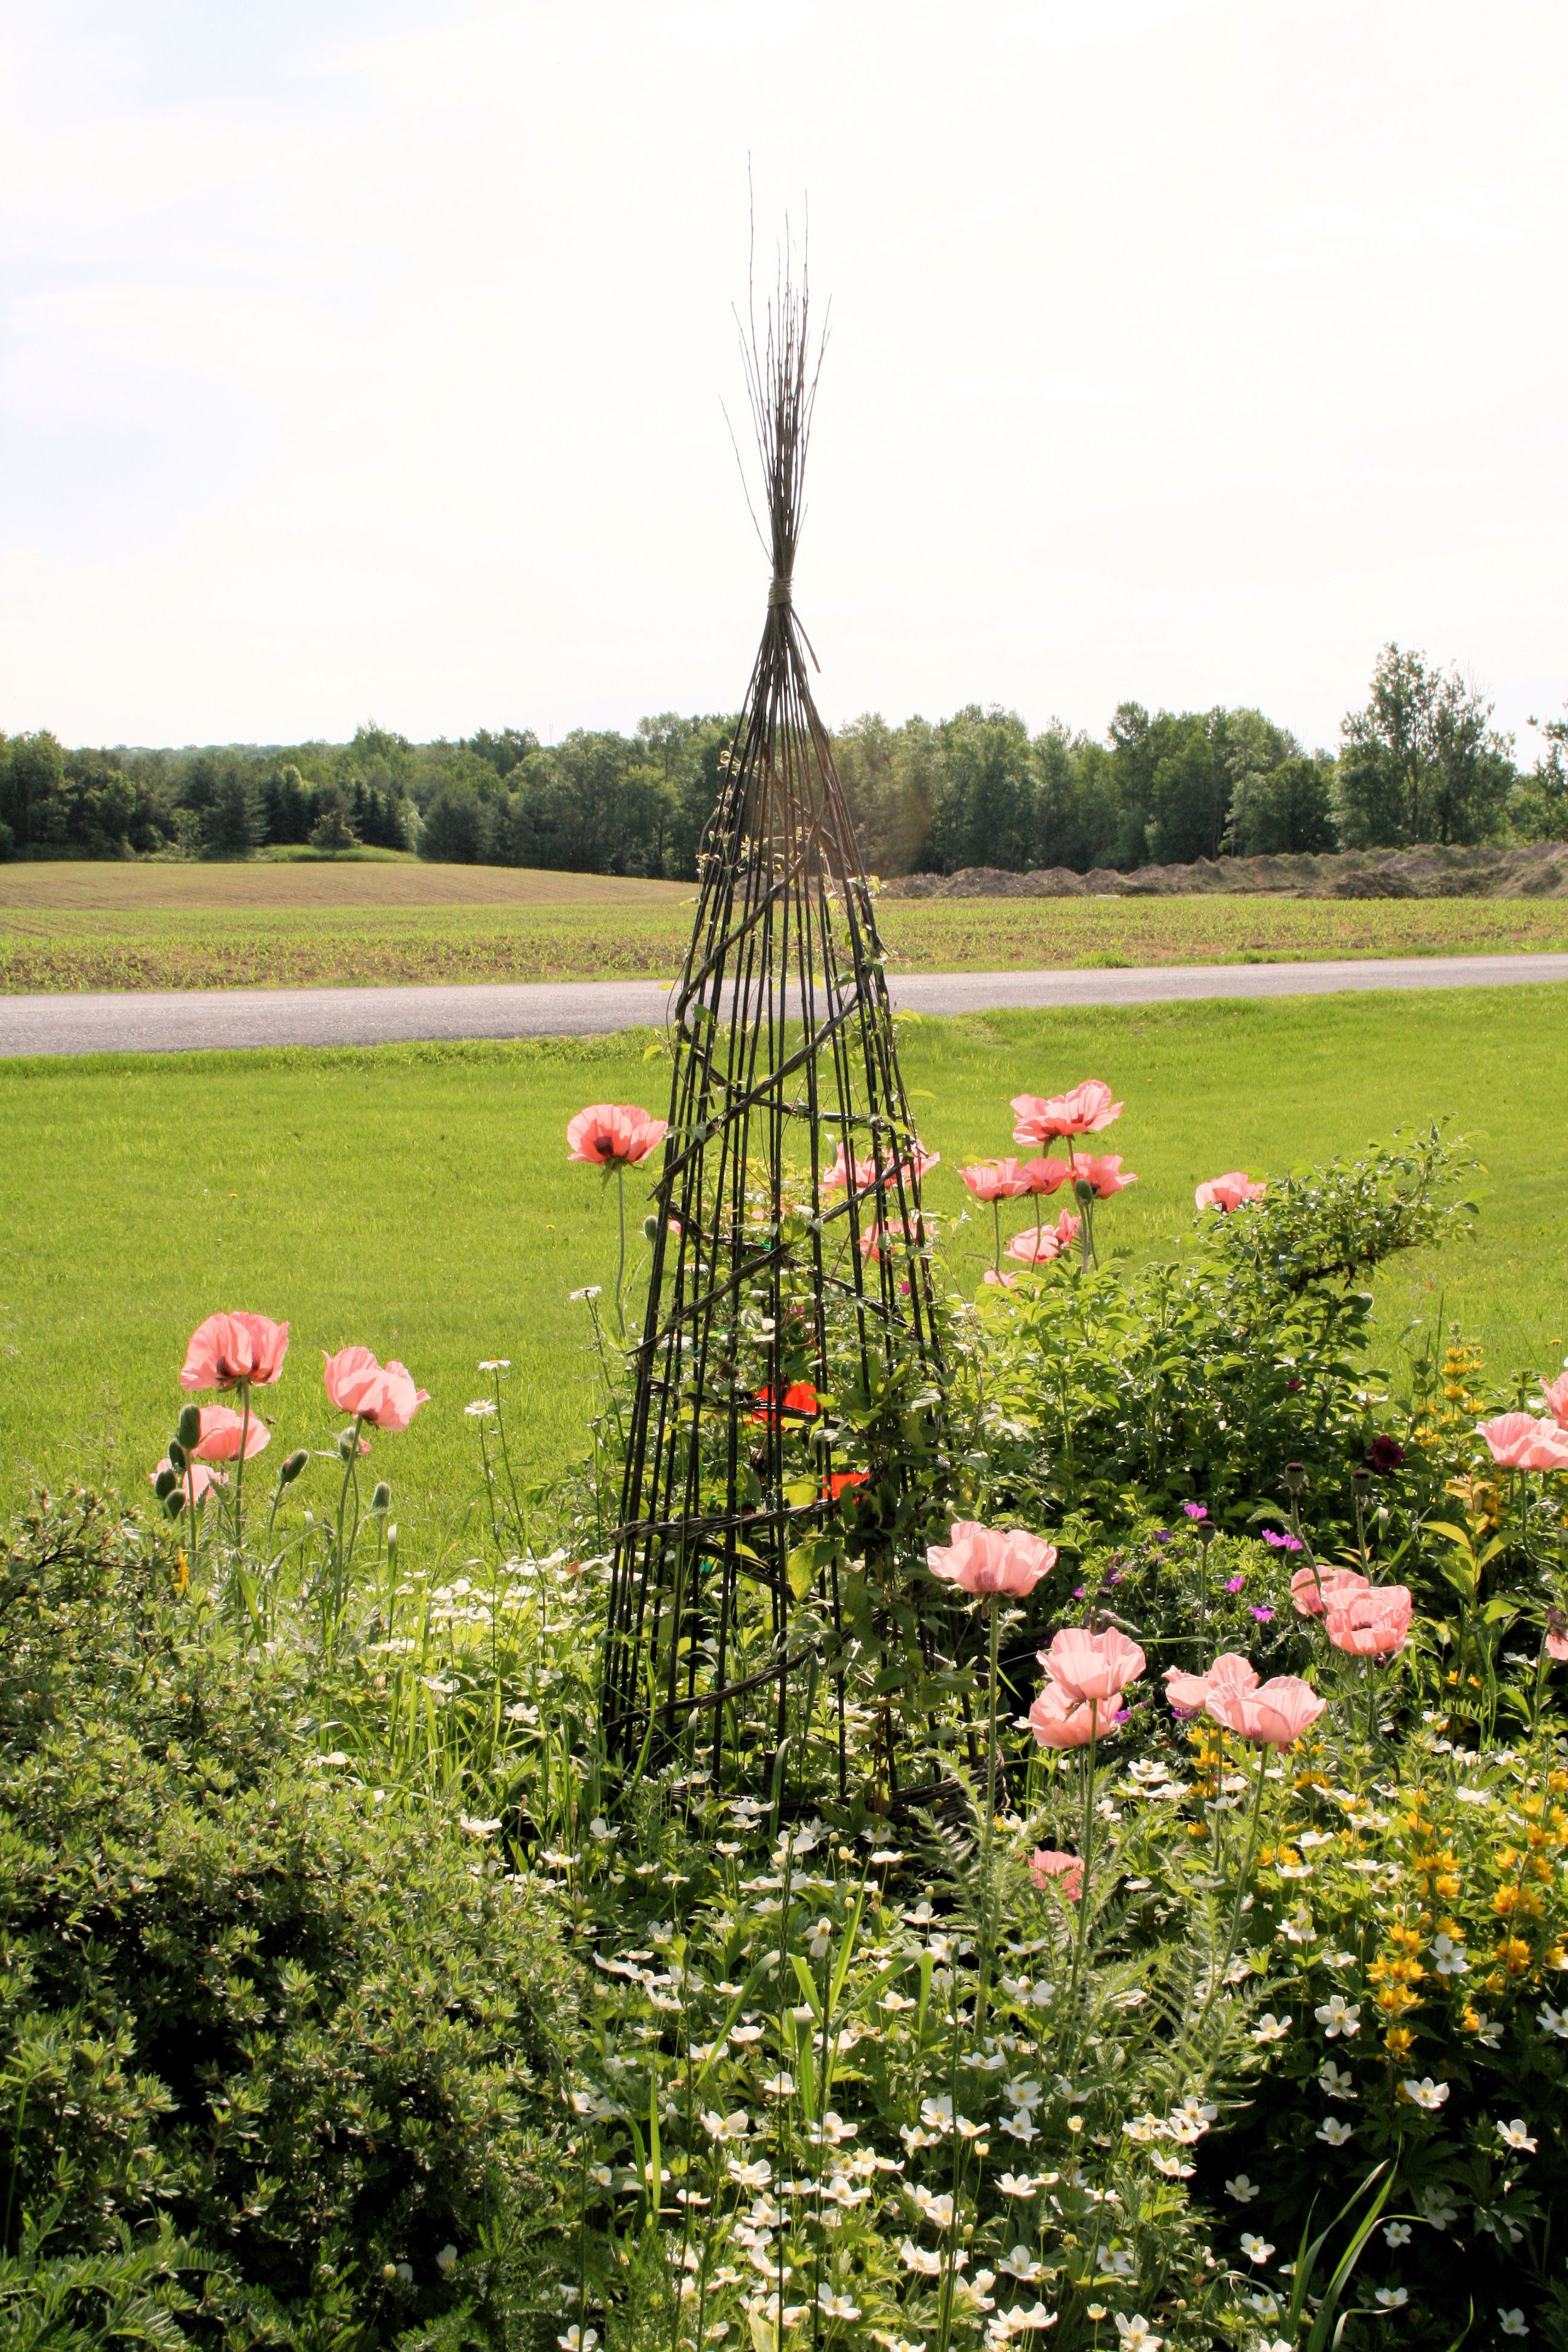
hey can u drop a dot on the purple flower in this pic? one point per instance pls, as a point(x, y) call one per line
point(1385, 1453)
point(1282, 1543)
point(1263, 1615)
point(1078, 1592)
point(1234, 1583)
point(1125, 1715)
point(1196, 1510)
point(1162, 1535)
point(1116, 1576)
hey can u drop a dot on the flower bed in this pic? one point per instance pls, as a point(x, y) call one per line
point(1149, 1931)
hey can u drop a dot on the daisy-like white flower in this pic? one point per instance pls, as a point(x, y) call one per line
point(1398, 2233)
point(750, 2175)
point(938, 2210)
point(1020, 2126)
point(1517, 2135)
point(1511, 2322)
point(1425, 2093)
point(1394, 2298)
point(1270, 2028)
point(1255, 2249)
point(1136, 2334)
point(835, 2306)
point(1339, 2016)
point(1021, 2265)
point(1241, 2188)
point(1017, 2184)
point(1337, 2081)
point(1553, 2021)
point(731, 2127)
point(1451, 1960)
point(1332, 2132)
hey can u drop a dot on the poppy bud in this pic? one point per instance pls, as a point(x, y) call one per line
point(166, 1483)
point(176, 1455)
point(347, 1443)
point(189, 1429)
point(291, 1467)
point(1083, 1191)
point(650, 1228)
point(381, 1498)
point(175, 1502)
point(1294, 1476)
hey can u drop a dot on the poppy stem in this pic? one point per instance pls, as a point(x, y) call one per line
point(239, 1465)
point(996, 1220)
point(621, 1268)
point(1086, 1846)
point(987, 1835)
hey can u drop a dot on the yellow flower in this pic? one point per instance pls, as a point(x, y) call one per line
point(1514, 1954)
point(1448, 1886)
point(1511, 1901)
point(1399, 2042)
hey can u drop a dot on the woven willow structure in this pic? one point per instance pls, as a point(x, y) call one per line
point(788, 1268)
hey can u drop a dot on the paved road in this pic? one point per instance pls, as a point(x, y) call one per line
point(181, 1021)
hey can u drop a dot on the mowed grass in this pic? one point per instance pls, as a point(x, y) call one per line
point(356, 922)
point(419, 1199)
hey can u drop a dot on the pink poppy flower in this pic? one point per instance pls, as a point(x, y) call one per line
point(229, 1349)
point(1066, 1869)
point(1039, 1245)
point(382, 1393)
point(1082, 1111)
point(995, 1180)
point(1092, 1665)
point(1557, 1399)
point(197, 1478)
point(920, 1160)
point(1557, 1645)
point(991, 1560)
point(1188, 1693)
point(1314, 1590)
point(1275, 1715)
point(1228, 1192)
point(1046, 1176)
point(1371, 1624)
point(1106, 1175)
point(838, 1173)
point(221, 1429)
point(614, 1135)
point(992, 1280)
point(1056, 1722)
point(1517, 1441)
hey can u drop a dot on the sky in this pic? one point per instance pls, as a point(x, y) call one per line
point(372, 358)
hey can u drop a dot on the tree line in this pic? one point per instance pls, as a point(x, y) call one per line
point(1420, 762)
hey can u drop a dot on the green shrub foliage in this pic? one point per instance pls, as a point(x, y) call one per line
point(310, 2031)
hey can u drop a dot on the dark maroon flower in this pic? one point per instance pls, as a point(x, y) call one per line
point(1385, 1453)
point(1292, 1388)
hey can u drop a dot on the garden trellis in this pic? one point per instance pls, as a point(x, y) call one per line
point(788, 1277)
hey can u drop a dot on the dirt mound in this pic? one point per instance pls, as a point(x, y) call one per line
point(1540, 871)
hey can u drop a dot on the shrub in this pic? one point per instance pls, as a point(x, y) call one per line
point(312, 2030)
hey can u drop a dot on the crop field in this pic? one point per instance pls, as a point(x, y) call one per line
point(419, 1199)
point(362, 922)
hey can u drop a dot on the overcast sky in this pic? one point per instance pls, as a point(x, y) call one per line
point(370, 357)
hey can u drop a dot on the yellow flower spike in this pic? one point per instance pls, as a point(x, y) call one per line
point(1399, 2042)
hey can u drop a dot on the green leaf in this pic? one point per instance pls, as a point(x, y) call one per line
point(801, 1570)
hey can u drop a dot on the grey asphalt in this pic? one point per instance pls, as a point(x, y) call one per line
point(189, 1021)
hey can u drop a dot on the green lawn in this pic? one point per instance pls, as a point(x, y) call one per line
point(264, 924)
point(419, 1199)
